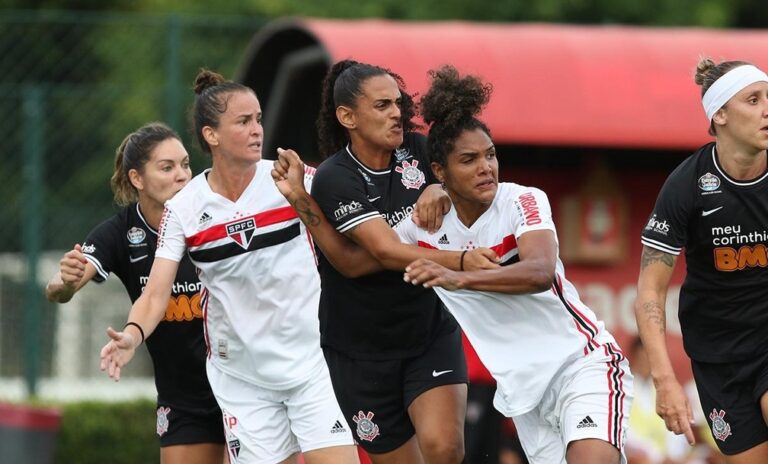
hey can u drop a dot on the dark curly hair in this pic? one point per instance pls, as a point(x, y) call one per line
point(341, 87)
point(211, 97)
point(449, 108)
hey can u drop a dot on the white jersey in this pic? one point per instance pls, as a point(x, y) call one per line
point(523, 340)
point(257, 267)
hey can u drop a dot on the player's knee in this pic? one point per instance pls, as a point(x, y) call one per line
point(442, 450)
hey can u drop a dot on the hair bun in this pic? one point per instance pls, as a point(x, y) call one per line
point(452, 98)
point(207, 78)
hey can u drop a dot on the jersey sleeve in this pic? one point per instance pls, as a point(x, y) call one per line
point(667, 226)
point(531, 211)
point(408, 231)
point(341, 195)
point(171, 243)
point(104, 249)
point(309, 176)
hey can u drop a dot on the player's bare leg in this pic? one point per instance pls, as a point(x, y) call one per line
point(201, 453)
point(346, 454)
point(408, 453)
point(592, 451)
point(438, 417)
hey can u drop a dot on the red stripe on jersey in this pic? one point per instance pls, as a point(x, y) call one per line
point(507, 244)
point(425, 245)
point(263, 219)
point(616, 394)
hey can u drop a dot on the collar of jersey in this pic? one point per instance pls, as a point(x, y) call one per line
point(141, 216)
point(731, 179)
point(366, 168)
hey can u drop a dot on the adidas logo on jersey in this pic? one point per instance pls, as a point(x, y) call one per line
point(443, 240)
point(586, 422)
point(338, 428)
point(204, 219)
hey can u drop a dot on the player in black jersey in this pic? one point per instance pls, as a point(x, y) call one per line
point(394, 353)
point(715, 206)
point(151, 165)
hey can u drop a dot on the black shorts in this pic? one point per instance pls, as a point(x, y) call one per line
point(374, 395)
point(186, 427)
point(730, 398)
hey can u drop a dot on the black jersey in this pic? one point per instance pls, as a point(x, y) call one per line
point(378, 316)
point(723, 225)
point(125, 245)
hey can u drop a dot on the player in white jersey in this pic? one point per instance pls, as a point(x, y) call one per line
point(260, 293)
point(560, 374)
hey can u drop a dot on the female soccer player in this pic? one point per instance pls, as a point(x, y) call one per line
point(260, 292)
point(714, 205)
point(151, 165)
point(560, 375)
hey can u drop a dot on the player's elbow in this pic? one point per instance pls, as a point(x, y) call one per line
point(540, 278)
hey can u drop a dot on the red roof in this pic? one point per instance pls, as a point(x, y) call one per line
point(556, 84)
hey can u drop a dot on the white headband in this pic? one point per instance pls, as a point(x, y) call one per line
point(728, 85)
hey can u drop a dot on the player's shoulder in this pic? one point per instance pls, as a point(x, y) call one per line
point(513, 191)
point(191, 194)
point(696, 167)
point(336, 167)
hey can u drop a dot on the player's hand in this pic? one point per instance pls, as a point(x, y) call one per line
point(72, 267)
point(480, 258)
point(430, 274)
point(117, 353)
point(288, 173)
point(672, 406)
point(433, 204)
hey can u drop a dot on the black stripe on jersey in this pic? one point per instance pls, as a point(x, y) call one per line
point(618, 397)
point(512, 260)
point(229, 250)
point(576, 316)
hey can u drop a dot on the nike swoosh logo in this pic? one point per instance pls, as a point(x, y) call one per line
point(136, 260)
point(439, 373)
point(373, 199)
point(710, 211)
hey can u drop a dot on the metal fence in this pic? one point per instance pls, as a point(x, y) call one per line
point(72, 86)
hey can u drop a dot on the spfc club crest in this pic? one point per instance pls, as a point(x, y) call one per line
point(720, 428)
point(412, 177)
point(366, 429)
point(242, 231)
point(162, 420)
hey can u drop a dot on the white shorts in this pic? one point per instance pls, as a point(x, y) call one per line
point(267, 426)
point(590, 398)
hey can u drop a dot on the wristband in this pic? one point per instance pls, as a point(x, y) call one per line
point(461, 261)
point(141, 331)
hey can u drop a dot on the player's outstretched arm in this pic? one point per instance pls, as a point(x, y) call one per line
point(74, 272)
point(653, 282)
point(145, 315)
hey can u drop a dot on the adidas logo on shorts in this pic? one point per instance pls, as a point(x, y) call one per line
point(443, 240)
point(586, 422)
point(338, 428)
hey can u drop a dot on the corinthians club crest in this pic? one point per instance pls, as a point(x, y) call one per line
point(720, 428)
point(412, 177)
point(162, 420)
point(366, 429)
